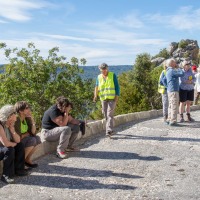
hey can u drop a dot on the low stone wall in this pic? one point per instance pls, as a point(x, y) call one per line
point(98, 126)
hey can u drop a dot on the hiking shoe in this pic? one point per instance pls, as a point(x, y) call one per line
point(32, 165)
point(75, 149)
point(7, 180)
point(173, 124)
point(166, 122)
point(61, 155)
point(110, 133)
point(181, 118)
point(189, 118)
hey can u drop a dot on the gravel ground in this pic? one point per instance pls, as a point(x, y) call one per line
point(143, 160)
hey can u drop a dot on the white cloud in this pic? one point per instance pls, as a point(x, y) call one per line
point(2, 21)
point(186, 18)
point(64, 37)
point(116, 41)
point(17, 10)
point(129, 21)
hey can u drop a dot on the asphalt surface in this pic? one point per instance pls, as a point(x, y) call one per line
point(143, 160)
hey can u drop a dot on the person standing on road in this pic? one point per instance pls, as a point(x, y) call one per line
point(58, 125)
point(162, 89)
point(195, 71)
point(172, 76)
point(186, 92)
point(107, 88)
point(197, 85)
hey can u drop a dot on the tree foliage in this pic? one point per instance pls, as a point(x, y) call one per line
point(139, 87)
point(182, 44)
point(39, 81)
point(163, 53)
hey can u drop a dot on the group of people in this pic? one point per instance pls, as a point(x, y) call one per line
point(179, 86)
point(18, 139)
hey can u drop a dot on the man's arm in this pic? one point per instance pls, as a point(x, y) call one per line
point(62, 120)
point(4, 140)
point(117, 88)
point(178, 73)
point(96, 90)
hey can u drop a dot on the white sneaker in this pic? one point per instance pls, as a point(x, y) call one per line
point(61, 155)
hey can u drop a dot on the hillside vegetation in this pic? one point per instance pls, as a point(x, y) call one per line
point(39, 81)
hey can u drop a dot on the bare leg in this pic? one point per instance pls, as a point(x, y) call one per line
point(188, 106)
point(28, 157)
point(181, 107)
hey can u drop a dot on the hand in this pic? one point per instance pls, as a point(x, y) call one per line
point(13, 144)
point(95, 99)
point(189, 82)
point(12, 128)
point(67, 109)
point(116, 98)
point(25, 135)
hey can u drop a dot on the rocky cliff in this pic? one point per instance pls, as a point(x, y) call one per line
point(183, 50)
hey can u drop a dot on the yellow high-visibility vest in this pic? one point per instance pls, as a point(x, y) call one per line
point(161, 88)
point(106, 87)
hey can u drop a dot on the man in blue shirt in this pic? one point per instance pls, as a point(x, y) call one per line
point(186, 92)
point(172, 76)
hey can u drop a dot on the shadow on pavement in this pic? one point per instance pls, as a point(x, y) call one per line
point(81, 172)
point(70, 183)
point(124, 136)
point(114, 155)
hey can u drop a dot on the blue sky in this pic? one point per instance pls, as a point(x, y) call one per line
point(111, 31)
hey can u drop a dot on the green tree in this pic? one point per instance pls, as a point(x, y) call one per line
point(83, 61)
point(163, 53)
point(182, 44)
point(39, 81)
point(139, 87)
point(142, 80)
point(156, 97)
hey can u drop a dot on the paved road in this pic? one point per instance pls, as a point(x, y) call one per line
point(144, 160)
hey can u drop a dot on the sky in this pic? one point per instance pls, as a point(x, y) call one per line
point(111, 31)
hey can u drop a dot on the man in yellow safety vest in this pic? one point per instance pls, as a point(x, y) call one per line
point(107, 88)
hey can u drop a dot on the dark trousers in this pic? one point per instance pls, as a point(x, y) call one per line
point(13, 159)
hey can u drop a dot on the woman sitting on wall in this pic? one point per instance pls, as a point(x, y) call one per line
point(25, 128)
point(11, 149)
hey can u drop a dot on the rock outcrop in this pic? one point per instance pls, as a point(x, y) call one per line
point(184, 50)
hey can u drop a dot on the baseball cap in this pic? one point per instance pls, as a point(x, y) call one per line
point(194, 67)
point(103, 66)
point(185, 62)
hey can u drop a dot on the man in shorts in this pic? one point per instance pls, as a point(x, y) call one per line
point(186, 92)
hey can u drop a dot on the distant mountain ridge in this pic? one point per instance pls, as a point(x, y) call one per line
point(93, 71)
